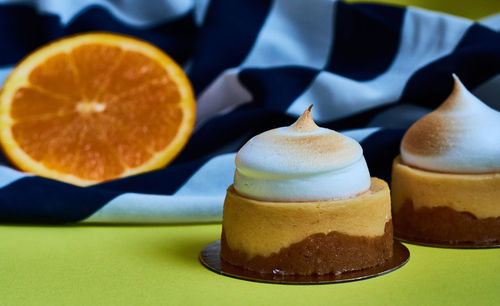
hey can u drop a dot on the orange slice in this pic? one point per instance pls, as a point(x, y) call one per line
point(95, 107)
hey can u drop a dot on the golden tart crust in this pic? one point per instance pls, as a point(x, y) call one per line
point(478, 194)
point(255, 230)
point(445, 207)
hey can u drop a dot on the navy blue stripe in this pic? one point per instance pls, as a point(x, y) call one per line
point(380, 149)
point(478, 55)
point(39, 200)
point(27, 30)
point(475, 60)
point(164, 181)
point(229, 31)
point(366, 40)
point(277, 88)
point(229, 132)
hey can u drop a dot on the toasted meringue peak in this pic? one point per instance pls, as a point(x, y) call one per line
point(305, 123)
point(301, 162)
point(461, 136)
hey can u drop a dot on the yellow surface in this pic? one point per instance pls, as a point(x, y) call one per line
point(477, 194)
point(476, 9)
point(258, 227)
point(145, 265)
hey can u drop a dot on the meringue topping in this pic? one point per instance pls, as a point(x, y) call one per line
point(461, 136)
point(302, 162)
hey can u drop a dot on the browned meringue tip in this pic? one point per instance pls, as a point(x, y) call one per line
point(305, 123)
point(458, 137)
point(457, 84)
point(452, 101)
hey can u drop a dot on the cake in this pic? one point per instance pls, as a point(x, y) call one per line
point(446, 182)
point(303, 203)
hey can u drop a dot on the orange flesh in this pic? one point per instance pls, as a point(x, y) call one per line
point(96, 111)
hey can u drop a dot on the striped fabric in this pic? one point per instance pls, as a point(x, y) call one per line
point(370, 71)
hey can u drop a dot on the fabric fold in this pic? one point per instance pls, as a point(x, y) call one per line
point(370, 70)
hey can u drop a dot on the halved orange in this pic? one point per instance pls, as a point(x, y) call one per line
point(95, 107)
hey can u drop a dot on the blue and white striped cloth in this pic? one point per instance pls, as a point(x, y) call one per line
point(370, 71)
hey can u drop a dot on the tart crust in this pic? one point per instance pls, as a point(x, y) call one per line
point(445, 207)
point(308, 238)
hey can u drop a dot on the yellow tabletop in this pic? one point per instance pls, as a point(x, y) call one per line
point(476, 9)
point(145, 265)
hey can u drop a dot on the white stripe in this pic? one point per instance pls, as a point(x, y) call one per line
point(492, 22)
point(8, 176)
point(222, 96)
point(4, 73)
point(200, 199)
point(399, 116)
point(296, 32)
point(489, 91)
point(212, 179)
point(360, 134)
point(132, 12)
point(200, 11)
point(143, 208)
point(425, 37)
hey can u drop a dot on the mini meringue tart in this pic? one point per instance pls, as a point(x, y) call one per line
point(446, 182)
point(303, 203)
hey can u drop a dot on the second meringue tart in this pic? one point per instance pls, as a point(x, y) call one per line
point(446, 183)
point(303, 203)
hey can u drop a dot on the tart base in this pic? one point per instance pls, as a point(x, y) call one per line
point(443, 226)
point(210, 258)
point(318, 254)
point(445, 209)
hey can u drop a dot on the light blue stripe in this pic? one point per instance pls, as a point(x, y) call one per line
point(223, 95)
point(425, 37)
point(492, 22)
point(360, 134)
point(201, 7)
point(8, 176)
point(297, 33)
point(4, 73)
point(200, 199)
point(212, 179)
point(488, 92)
point(399, 116)
point(132, 12)
point(143, 208)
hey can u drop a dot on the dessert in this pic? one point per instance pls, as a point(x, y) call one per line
point(303, 203)
point(446, 182)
